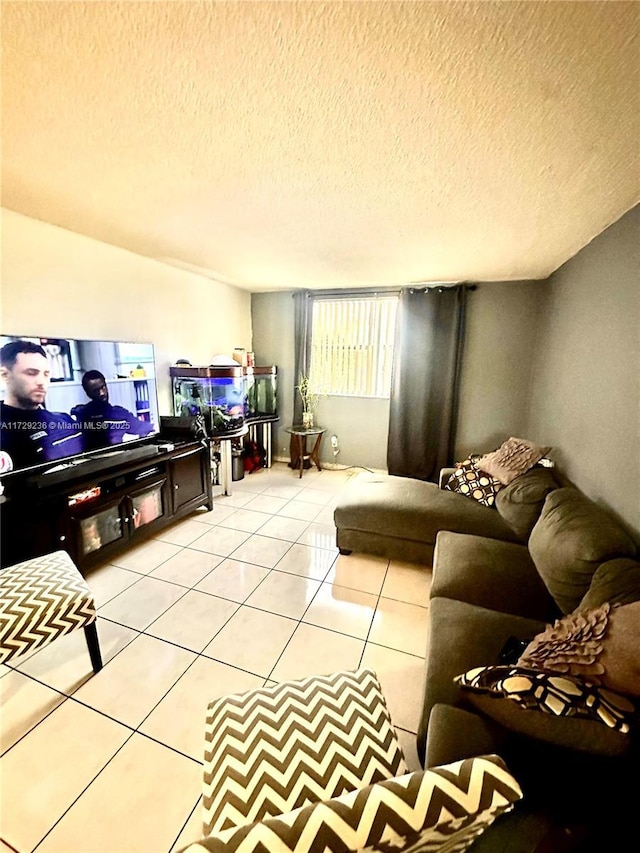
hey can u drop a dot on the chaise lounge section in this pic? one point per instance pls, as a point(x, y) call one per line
point(400, 518)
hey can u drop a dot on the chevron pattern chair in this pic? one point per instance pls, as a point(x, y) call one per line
point(43, 599)
point(315, 765)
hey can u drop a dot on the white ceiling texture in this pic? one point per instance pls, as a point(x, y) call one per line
point(278, 145)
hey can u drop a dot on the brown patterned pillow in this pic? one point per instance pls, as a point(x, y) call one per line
point(554, 693)
point(511, 459)
point(583, 672)
point(468, 480)
point(564, 727)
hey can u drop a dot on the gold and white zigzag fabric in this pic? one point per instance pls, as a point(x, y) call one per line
point(41, 599)
point(445, 808)
point(279, 748)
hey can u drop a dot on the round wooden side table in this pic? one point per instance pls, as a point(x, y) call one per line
point(300, 456)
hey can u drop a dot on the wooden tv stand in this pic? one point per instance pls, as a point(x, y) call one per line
point(114, 503)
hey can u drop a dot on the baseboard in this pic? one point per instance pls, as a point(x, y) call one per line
point(335, 466)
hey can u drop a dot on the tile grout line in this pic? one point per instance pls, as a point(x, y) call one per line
point(244, 603)
point(198, 654)
point(299, 620)
point(184, 825)
point(86, 787)
point(386, 571)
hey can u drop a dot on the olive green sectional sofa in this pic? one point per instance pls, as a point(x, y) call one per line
point(500, 575)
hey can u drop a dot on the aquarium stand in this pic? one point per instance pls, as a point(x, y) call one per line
point(221, 446)
point(261, 431)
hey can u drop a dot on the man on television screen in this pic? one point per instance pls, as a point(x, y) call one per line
point(102, 423)
point(29, 433)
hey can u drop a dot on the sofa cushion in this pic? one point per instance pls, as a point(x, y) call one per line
point(520, 503)
point(404, 508)
point(488, 573)
point(512, 458)
point(616, 581)
point(463, 636)
point(455, 733)
point(565, 790)
point(572, 537)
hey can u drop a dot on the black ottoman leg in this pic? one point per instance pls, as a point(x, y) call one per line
point(91, 635)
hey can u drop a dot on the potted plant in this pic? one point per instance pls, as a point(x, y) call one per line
point(309, 399)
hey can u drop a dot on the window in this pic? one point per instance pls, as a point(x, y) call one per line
point(352, 345)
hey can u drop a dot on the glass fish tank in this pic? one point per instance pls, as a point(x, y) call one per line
point(261, 391)
point(216, 393)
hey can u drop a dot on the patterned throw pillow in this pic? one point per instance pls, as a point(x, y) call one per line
point(553, 693)
point(511, 459)
point(444, 807)
point(601, 644)
point(468, 480)
point(274, 749)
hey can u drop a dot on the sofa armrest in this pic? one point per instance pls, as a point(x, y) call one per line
point(455, 733)
point(445, 473)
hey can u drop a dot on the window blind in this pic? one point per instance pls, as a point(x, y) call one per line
point(352, 345)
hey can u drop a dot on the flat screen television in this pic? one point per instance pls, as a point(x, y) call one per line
point(64, 399)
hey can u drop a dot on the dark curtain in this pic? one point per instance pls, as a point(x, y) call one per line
point(303, 314)
point(424, 387)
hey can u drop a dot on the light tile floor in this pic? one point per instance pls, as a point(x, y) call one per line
point(252, 592)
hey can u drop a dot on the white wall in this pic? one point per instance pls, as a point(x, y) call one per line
point(59, 284)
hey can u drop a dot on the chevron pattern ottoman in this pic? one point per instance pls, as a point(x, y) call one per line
point(42, 599)
point(278, 748)
point(314, 765)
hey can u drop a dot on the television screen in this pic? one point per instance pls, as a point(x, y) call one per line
point(61, 398)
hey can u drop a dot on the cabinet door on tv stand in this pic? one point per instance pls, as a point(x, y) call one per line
point(190, 479)
point(148, 508)
point(97, 529)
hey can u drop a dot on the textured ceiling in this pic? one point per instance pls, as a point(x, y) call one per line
point(325, 144)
